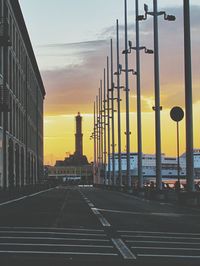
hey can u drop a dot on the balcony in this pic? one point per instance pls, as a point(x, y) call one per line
point(4, 32)
point(4, 99)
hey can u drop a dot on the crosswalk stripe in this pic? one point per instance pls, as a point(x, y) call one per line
point(169, 256)
point(167, 248)
point(56, 253)
point(163, 242)
point(159, 233)
point(52, 233)
point(55, 238)
point(162, 237)
point(54, 245)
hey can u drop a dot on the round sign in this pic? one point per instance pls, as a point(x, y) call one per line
point(177, 113)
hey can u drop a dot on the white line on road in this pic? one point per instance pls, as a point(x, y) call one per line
point(162, 237)
point(53, 228)
point(57, 253)
point(55, 238)
point(24, 197)
point(159, 233)
point(52, 233)
point(102, 220)
point(119, 244)
point(168, 256)
point(167, 248)
point(178, 215)
point(54, 245)
point(163, 242)
point(123, 249)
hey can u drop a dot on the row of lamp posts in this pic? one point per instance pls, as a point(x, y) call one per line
point(104, 106)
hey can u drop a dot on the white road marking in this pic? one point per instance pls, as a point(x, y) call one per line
point(53, 228)
point(167, 248)
point(54, 245)
point(102, 220)
point(24, 197)
point(159, 233)
point(169, 256)
point(163, 242)
point(178, 215)
point(52, 233)
point(55, 238)
point(123, 249)
point(57, 253)
point(162, 237)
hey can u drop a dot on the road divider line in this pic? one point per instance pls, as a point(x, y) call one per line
point(24, 197)
point(101, 218)
point(125, 252)
point(123, 249)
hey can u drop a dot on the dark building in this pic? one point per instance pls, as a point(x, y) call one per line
point(79, 137)
point(21, 102)
point(77, 159)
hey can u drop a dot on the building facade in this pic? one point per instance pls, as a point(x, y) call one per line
point(83, 174)
point(21, 102)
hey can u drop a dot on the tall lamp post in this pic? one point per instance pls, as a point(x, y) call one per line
point(188, 98)
point(104, 123)
point(108, 122)
point(112, 114)
point(118, 87)
point(157, 107)
point(128, 172)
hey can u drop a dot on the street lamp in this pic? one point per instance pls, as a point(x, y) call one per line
point(138, 48)
point(155, 14)
point(177, 115)
point(108, 122)
point(105, 124)
point(188, 98)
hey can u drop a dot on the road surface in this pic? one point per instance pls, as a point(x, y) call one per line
point(89, 226)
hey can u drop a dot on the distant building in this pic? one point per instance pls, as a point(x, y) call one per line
point(21, 102)
point(81, 174)
point(74, 168)
point(169, 164)
point(77, 159)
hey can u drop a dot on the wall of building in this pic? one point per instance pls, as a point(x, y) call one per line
point(24, 122)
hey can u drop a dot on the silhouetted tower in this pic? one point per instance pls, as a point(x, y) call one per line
point(79, 136)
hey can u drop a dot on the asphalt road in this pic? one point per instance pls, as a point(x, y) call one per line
point(89, 226)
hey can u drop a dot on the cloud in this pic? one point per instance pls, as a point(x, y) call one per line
point(72, 71)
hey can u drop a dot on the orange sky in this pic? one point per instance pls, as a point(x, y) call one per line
point(72, 73)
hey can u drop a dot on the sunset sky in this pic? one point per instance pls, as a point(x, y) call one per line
point(71, 41)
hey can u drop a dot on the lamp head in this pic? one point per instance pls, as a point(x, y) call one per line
point(120, 67)
point(140, 17)
point(146, 8)
point(149, 51)
point(170, 18)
